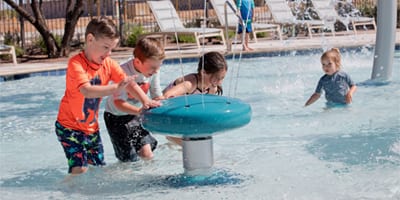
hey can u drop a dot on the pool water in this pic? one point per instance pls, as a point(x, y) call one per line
point(287, 151)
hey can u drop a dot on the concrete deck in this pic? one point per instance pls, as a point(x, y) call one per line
point(364, 38)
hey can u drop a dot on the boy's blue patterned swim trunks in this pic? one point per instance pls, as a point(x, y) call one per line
point(80, 149)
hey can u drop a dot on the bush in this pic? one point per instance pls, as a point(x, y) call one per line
point(185, 39)
point(134, 34)
point(368, 10)
point(262, 35)
point(12, 39)
point(42, 45)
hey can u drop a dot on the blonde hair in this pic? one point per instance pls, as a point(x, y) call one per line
point(334, 55)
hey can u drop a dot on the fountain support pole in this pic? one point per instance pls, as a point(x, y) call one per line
point(198, 155)
point(385, 40)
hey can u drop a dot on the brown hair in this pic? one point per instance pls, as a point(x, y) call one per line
point(214, 62)
point(334, 55)
point(102, 27)
point(149, 48)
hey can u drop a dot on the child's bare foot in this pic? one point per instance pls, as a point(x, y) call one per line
point(247, 49)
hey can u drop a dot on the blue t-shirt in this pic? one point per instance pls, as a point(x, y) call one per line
point(335, 86)
point(246, 7)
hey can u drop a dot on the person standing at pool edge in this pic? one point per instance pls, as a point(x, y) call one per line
point(127, 135)
point(87, 78)
point(338, 85)
point(246, 8)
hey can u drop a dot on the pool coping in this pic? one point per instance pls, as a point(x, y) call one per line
point(265, 48)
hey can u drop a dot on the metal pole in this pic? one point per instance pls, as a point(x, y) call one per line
point(22, 26)
point(198, 155)
point(121, 19)
point(98, 8)
point(385, 40)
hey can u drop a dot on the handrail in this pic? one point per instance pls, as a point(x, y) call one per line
point(227, 3)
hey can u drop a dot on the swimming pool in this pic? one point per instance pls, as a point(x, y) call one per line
point(286, 152)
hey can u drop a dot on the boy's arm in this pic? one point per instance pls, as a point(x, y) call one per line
point(312, 99)
point(349, 95)
point(155, 88)
point(96, 91)
point(127, 107)
point(138, 93)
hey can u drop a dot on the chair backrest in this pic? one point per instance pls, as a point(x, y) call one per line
point(219, 8)
point(165, 14)
point(325, 9)
point(280, 10)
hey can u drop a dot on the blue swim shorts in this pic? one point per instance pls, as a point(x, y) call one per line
point(248, 27)
point(80, 149)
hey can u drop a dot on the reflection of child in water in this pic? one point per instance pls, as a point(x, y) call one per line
point(338, 86)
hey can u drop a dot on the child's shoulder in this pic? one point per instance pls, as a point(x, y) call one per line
point(110, 63)
point(342, 73)
point(191, 77)
point(76, 58)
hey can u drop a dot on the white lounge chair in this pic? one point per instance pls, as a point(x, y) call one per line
point(169, 22)
point(219, 8)
point(6, 49)
point(282, 14)
point(326, 11)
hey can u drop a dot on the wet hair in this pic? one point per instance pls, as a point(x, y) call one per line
point(214, 62)
point(149, 48)
point(102, 27)
point(334, 55)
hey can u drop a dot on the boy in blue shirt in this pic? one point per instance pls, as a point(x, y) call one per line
point(246, 8)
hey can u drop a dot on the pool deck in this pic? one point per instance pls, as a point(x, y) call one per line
point(364, 38)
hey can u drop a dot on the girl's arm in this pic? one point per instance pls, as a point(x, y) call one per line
point(312, 99)
point(183, 85)
point(349, 95)
point(179, 89)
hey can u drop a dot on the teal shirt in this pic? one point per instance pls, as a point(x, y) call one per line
point(246, 9)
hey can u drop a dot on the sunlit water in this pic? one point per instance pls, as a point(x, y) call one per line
point(286, 152)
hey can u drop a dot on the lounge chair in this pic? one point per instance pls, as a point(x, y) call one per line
point(326, 11)
point(169, 22)
point(282, 14)
point(218, 6)
point(6, 49)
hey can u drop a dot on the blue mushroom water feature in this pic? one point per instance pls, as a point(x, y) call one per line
point(385, 40)
point(196, 118)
